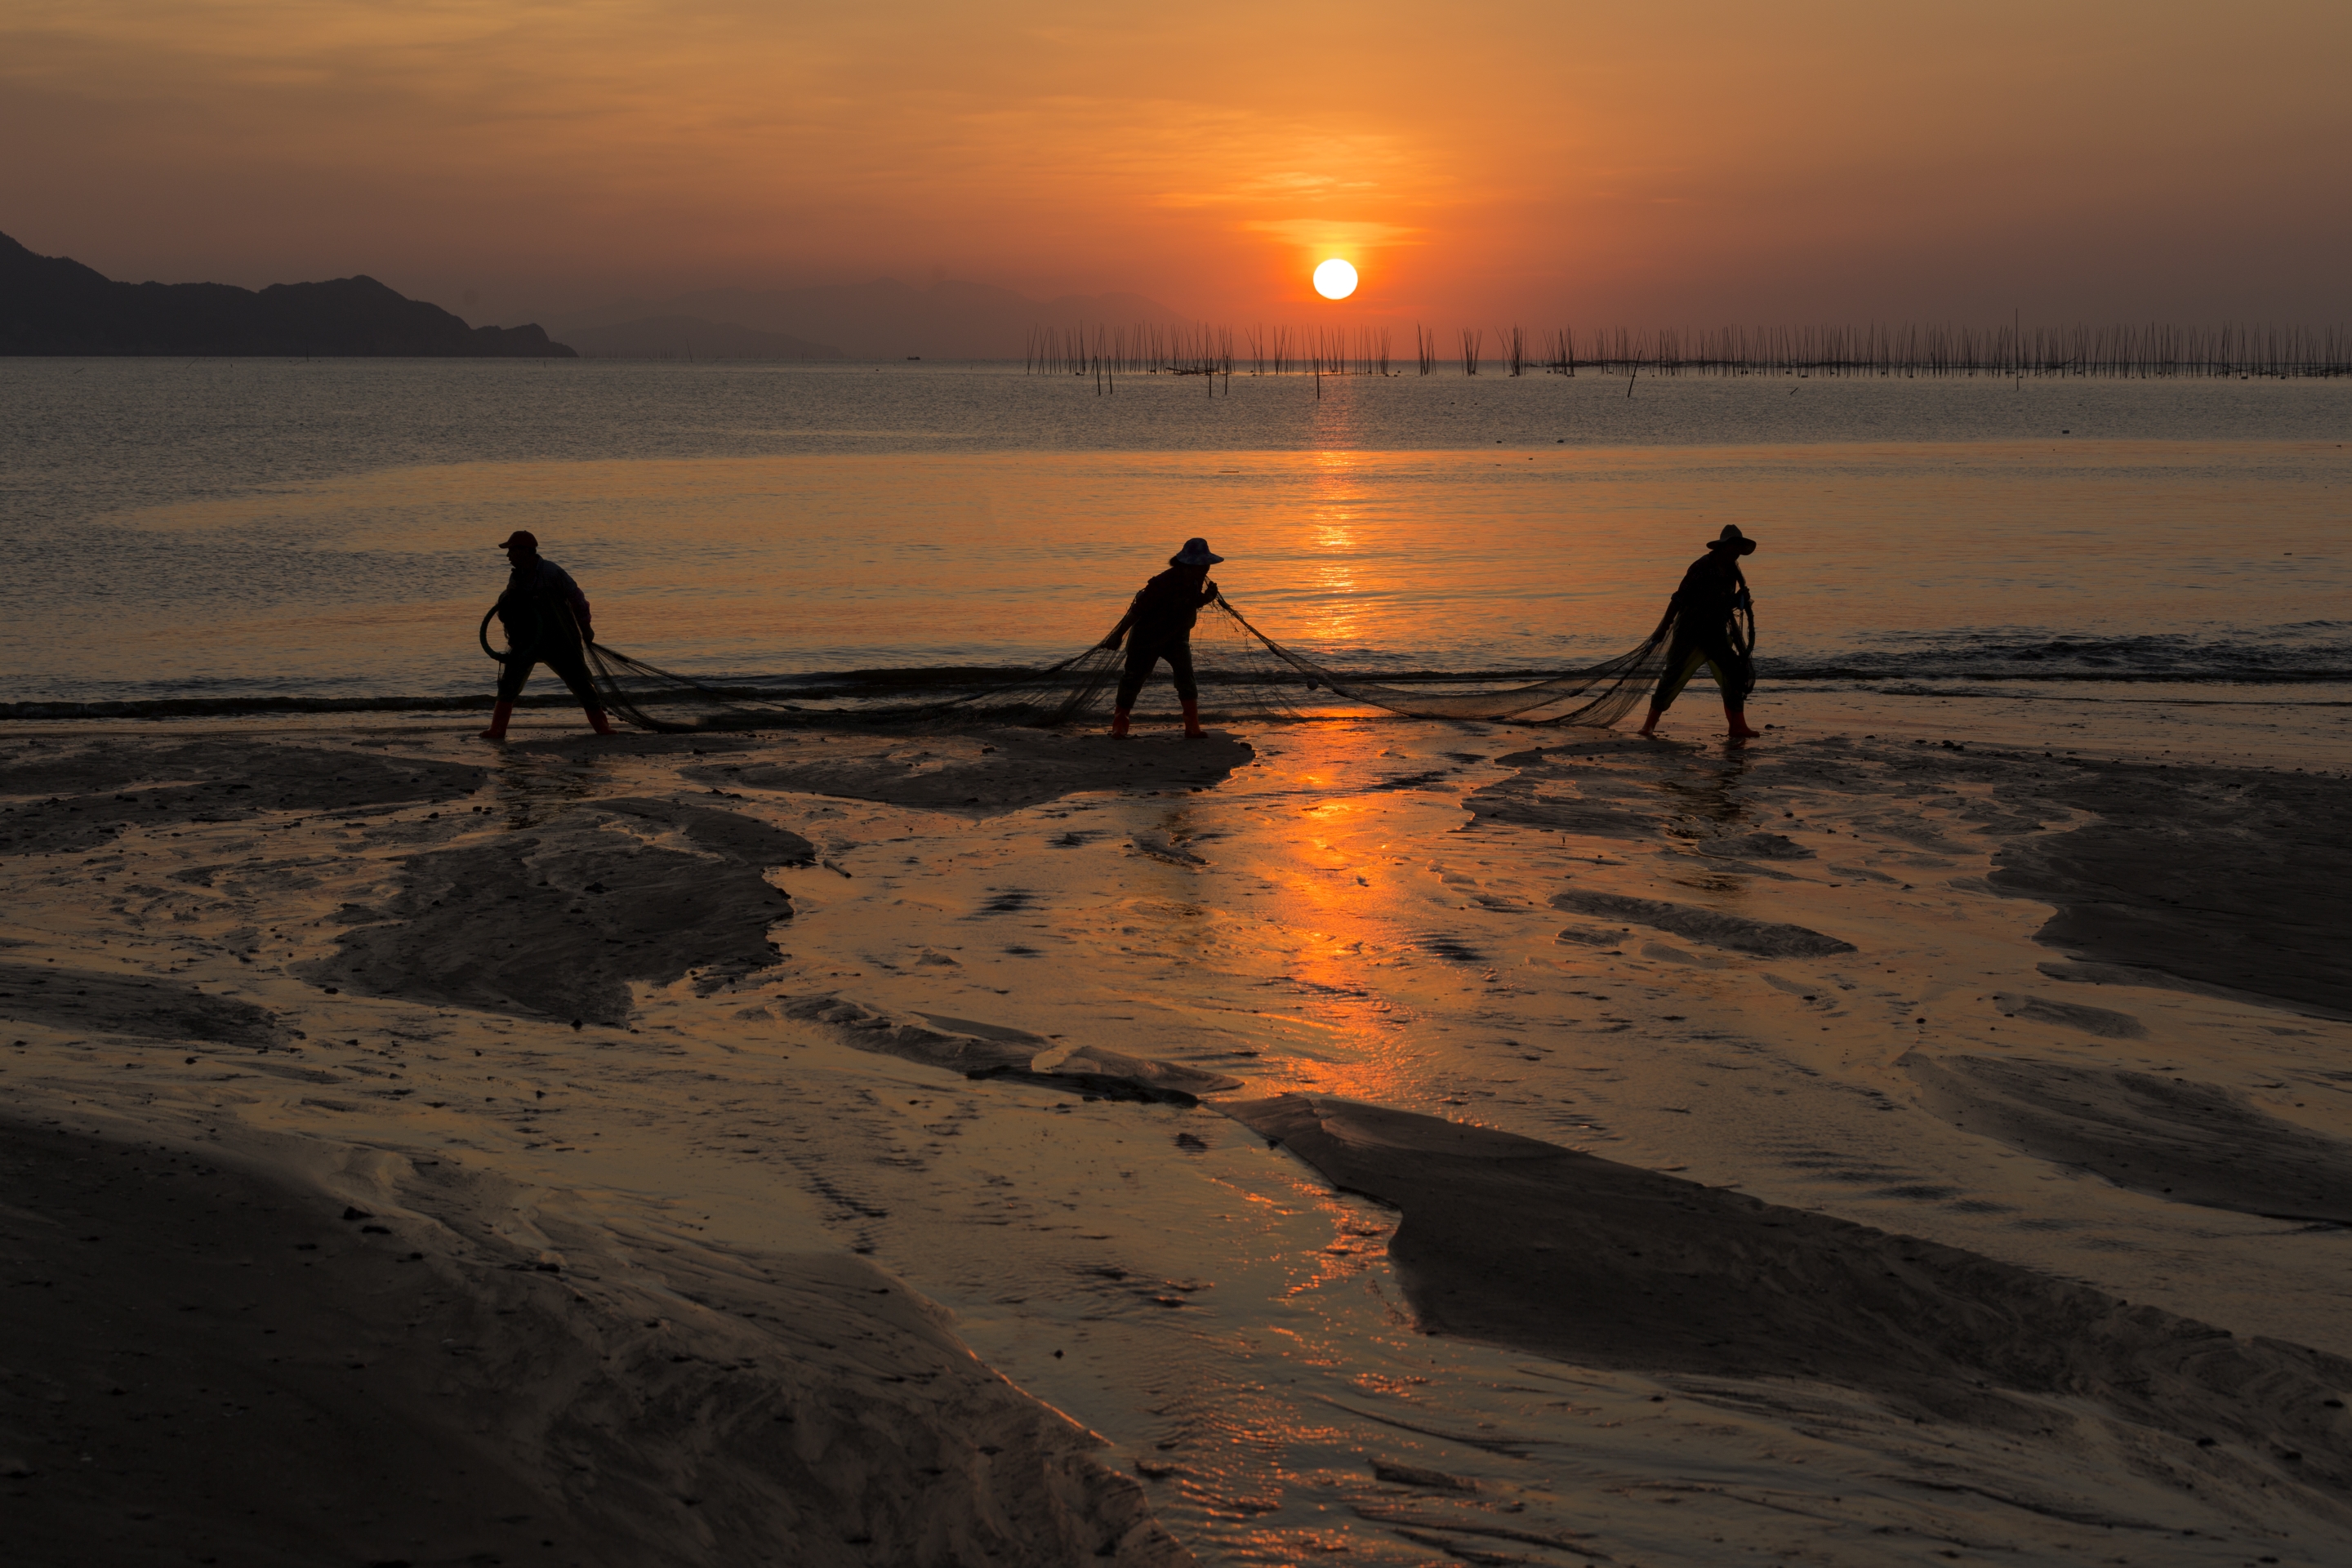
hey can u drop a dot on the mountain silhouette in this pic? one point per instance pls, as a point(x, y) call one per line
point(888, 319)
point(694, 338)
point(51, 305)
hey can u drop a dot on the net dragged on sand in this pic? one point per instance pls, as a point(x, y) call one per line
point(1243, 674)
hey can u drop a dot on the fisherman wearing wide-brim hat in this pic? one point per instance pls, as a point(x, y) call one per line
point(1713, 625)
point(1158, 625)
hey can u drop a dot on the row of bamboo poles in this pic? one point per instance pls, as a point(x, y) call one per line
point(1098, 351)
point(2123, 349)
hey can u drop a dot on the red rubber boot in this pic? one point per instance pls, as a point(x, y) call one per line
point(596, 722)
point(1192, 731)
point(1736, 718)
point(1119, 725)
point(499, 717)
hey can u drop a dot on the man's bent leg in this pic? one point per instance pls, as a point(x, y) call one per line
point(574, 671)
point(1683, 660)
point(1139, 660)
point(1724, 664)
point(1188, 690)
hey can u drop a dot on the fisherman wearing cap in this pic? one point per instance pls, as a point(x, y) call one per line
point(1705, 614)
point(546, 620)
point(1160, 620)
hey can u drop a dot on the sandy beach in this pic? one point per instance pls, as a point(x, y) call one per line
point(1911, 1136)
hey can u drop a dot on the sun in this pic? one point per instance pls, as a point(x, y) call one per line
point(1335, 279)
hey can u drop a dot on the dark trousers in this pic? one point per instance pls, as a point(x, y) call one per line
point(1695, 645)
point(568, 662)
point(1142, 656)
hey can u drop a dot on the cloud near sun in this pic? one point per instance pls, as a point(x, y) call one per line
point(1701, 158)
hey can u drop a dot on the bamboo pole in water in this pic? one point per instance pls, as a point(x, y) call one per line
point(2140, 351)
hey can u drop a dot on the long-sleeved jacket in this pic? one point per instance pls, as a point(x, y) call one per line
point(533, 608)
point(1165, 609)
point(1711, 588)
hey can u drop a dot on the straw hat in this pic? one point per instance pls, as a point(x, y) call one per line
point(1194, 554)
point(1731, 538)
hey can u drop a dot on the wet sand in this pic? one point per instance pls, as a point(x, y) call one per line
point(2164, 1136)
point(2204, 875)
point(216, 1362)
point(1600, 1264)
point(661, 1048)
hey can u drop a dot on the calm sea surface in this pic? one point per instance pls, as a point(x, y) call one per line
point(224, 529)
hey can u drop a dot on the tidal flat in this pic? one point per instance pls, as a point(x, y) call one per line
point(1917, 1133)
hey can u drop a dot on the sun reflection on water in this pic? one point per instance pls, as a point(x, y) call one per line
point(1334, 539)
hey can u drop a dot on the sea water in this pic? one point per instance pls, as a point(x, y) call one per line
point(223, 529)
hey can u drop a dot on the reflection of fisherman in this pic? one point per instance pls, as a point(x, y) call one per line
point(546, 619)
point(1714, 625)
point(1160, 620)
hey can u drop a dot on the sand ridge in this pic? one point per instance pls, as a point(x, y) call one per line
point(389, 1379)
point(564, 919)
point(1602, 1263)
point(2222, 876)
point(146, 1008)
point(986, 771)
point(2193, 1142)
point(982, 1050)
point(201, 782)
point(1760, 938)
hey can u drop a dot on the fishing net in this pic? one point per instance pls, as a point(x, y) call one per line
point(1597, 696)
point(1243, 674)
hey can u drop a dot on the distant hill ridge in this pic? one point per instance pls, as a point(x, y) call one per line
point(53, 305)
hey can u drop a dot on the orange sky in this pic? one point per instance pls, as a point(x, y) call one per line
point(1683, 162)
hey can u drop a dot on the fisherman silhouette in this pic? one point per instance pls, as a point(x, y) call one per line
point(547, 622)
point(1714, 624)
point(1158, 625)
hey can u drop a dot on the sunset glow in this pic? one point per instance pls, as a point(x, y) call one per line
point(1335, 279)
point(517, 162)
